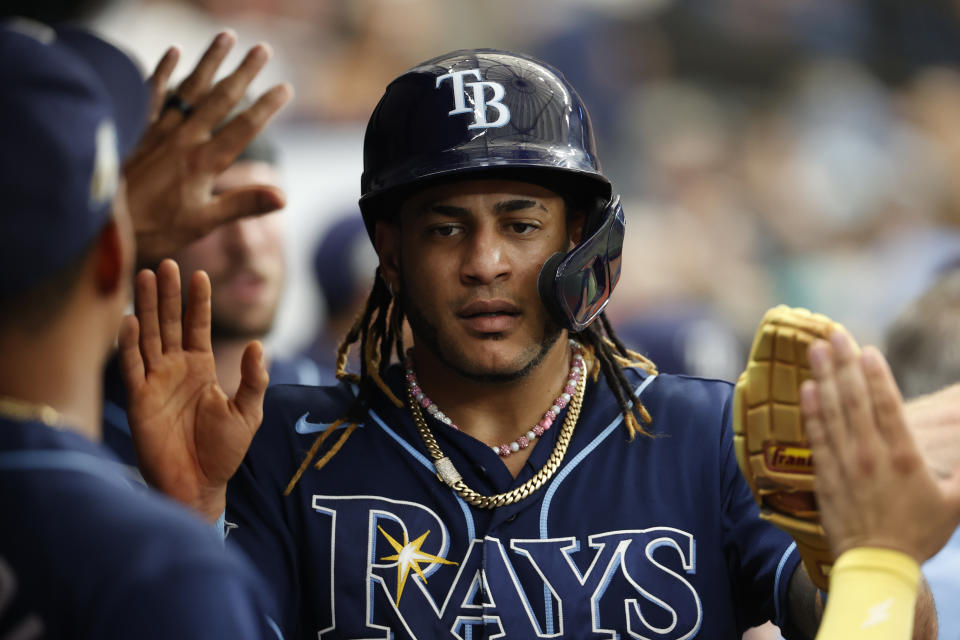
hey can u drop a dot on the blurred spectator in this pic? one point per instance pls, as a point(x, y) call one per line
point(691, 239)
point(923, 344)
point(343, 262)
point(931, 104)
point(687, 341)
point(847, 192)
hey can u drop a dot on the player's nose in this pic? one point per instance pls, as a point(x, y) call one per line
point(484, 259)
point(242, 236)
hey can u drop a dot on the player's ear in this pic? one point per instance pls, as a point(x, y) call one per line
point(575, 221)
point(109, 259)
point(387, 243)
point(114, 256)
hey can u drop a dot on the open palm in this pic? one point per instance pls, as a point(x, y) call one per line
point(189, 436)
point(873, 486)
point(170, 174)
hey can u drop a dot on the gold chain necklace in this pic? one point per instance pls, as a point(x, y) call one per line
point(448, 474)
point(23, 410)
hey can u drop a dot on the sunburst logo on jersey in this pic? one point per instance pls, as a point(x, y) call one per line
point(409, 556)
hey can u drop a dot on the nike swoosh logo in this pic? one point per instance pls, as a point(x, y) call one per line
point(304, 426)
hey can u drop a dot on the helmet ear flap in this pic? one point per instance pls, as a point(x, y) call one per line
point(593, 210)
point(545, 285)
point(576, 286)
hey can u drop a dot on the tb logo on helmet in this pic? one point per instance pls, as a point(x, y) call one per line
point(480, 103)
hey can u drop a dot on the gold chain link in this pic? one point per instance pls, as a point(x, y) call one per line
point(448, 474)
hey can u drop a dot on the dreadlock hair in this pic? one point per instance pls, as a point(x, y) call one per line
point(378, 330)
point(611, 356)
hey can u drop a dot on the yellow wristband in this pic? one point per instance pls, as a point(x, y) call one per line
point(873, 593)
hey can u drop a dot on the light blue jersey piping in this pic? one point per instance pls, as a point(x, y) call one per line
point(552, 490)
point(60, 460)
point(471, 528)
point(776, 582)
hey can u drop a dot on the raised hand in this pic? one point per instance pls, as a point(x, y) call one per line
point(873, 486)
point(170, 175)
point(188, 435)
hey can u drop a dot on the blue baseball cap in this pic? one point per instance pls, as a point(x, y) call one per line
point(344, 262)
point(71, 107)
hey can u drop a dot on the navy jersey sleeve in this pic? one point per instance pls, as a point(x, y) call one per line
point(202, 602)
point(761, 556)
point(182, 583)
point(206, 601)
point(87, 555)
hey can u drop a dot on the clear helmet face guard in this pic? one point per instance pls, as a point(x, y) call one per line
point(576, 286)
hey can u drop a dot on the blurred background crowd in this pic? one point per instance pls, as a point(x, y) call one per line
point(768, 151)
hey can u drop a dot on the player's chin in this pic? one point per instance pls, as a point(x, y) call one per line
point(241, 326)
point(498, 356)
point(484, 372)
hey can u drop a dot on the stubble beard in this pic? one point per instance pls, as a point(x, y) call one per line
point(449, 353)
point(230, 326)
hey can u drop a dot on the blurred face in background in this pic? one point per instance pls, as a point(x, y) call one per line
point(244, 259)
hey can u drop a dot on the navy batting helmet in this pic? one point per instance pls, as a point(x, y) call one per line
point(489, 113)
point(476, 111)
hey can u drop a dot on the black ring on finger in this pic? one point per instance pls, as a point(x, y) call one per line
point(174, 101)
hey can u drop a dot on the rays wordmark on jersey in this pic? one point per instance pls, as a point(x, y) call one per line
point(397, 556)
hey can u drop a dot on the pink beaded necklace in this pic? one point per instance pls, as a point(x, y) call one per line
point(576, 370)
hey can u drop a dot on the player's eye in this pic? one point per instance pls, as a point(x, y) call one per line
point(522, 228)
point(444, 230)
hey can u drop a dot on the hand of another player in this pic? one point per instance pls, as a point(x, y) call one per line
point(873, 487)
point(189, 436)
point(170, 175)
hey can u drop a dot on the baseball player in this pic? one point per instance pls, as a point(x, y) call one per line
point(84, 554)
point(518, 472)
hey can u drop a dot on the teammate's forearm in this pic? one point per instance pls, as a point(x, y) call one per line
point(873, 593)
